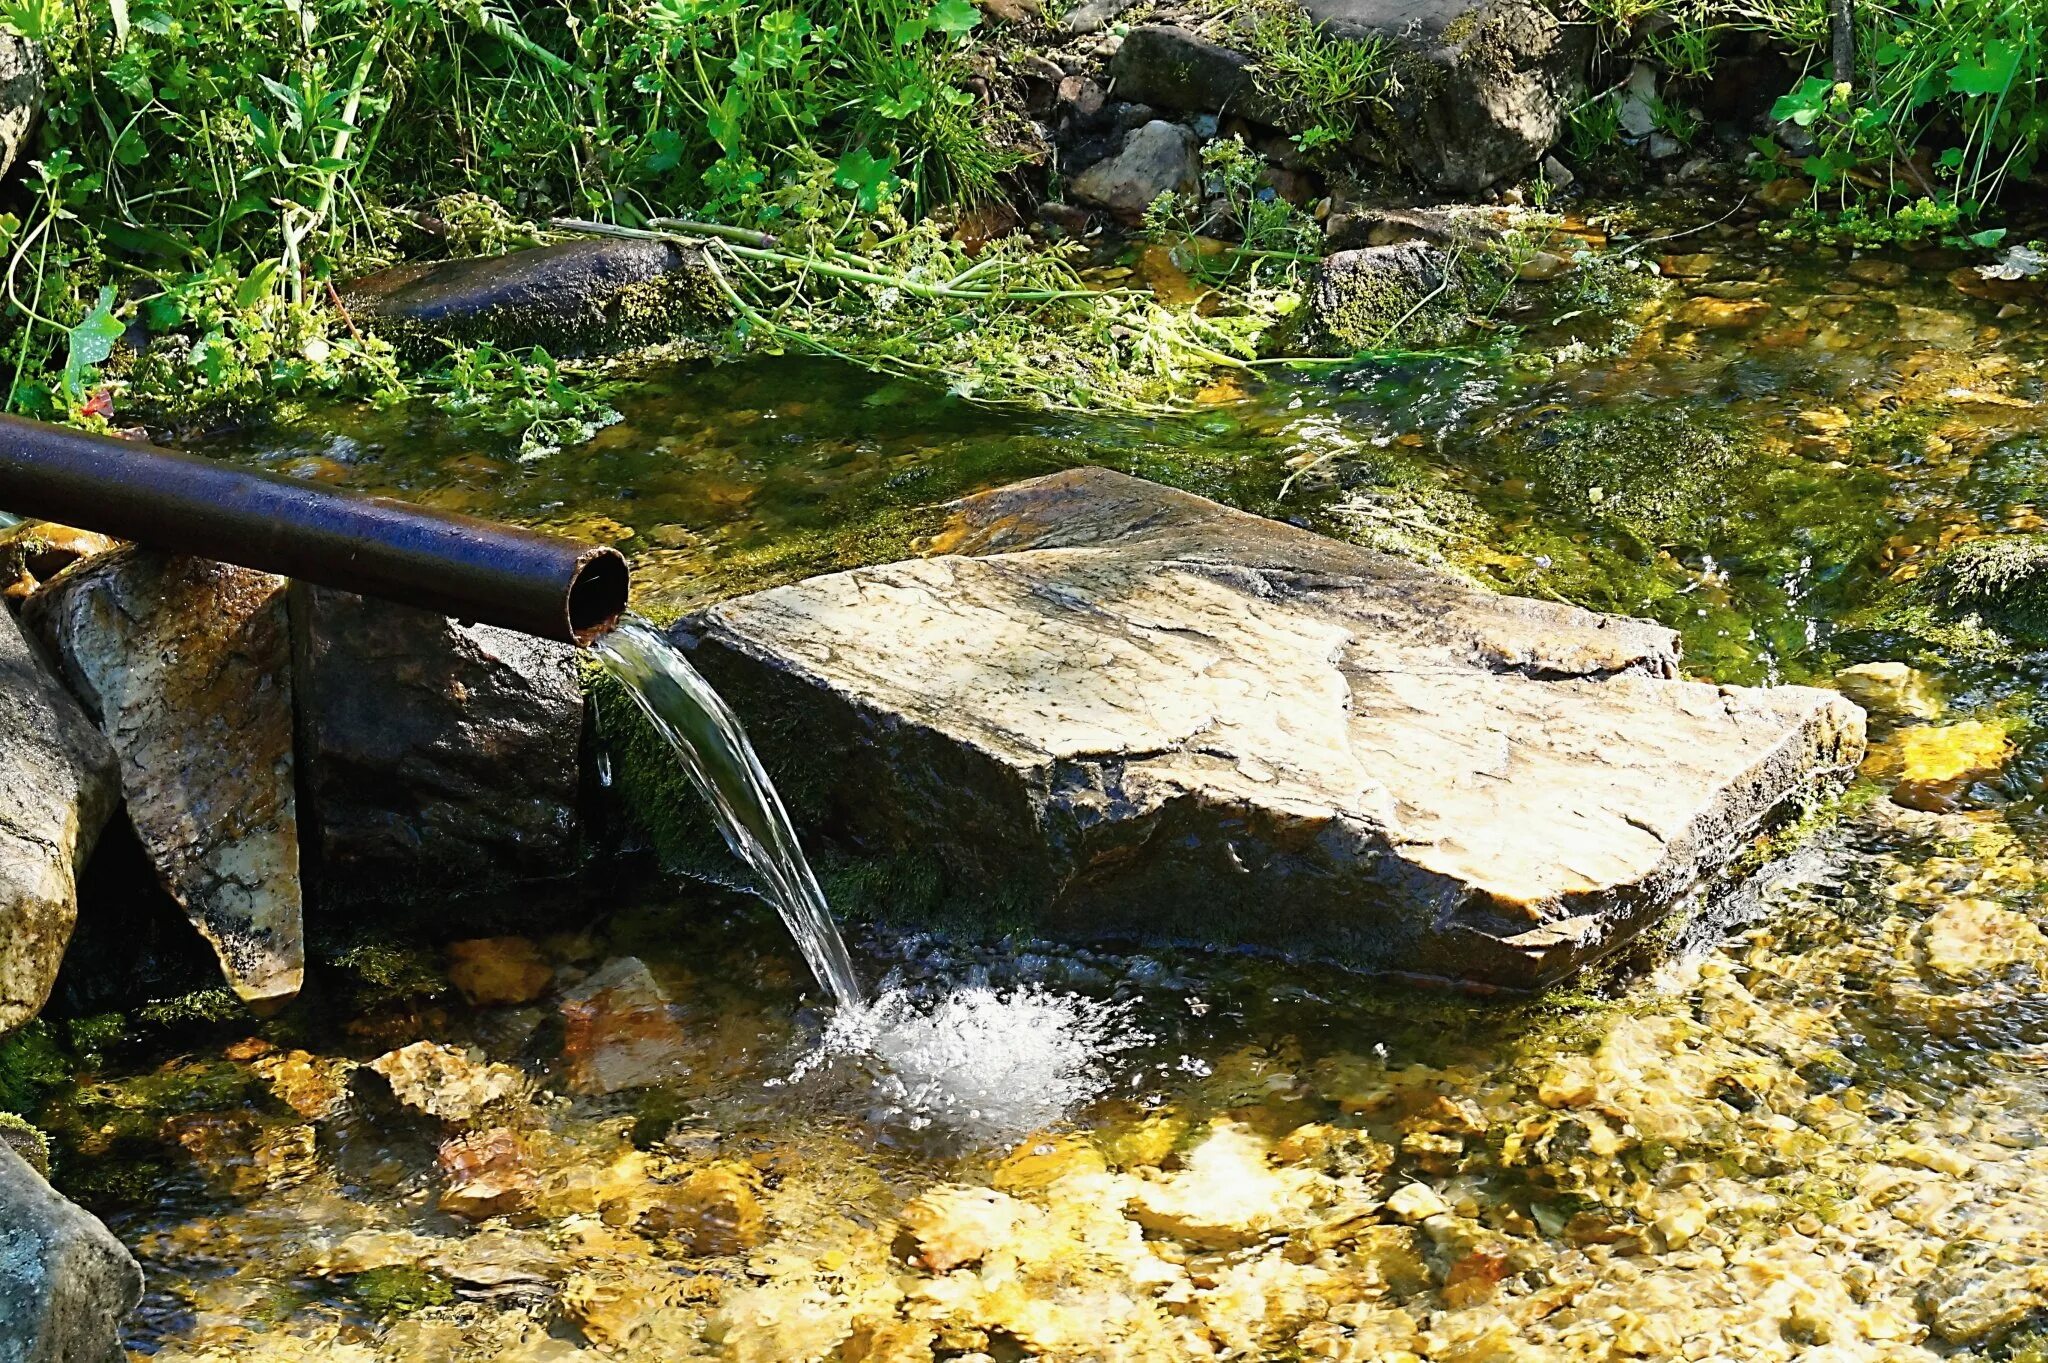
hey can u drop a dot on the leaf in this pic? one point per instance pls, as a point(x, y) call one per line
point(955, 17)
point(910, 32)
point(1992, 76)
point(904, 103)
point(663, 150)
point(1990, 236)
point(867, 175)
point(90, 342)
point(256, 287)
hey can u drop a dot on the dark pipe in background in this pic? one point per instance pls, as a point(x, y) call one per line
point(472, 569)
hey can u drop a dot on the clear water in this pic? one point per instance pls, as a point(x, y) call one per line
point(722, 764)
point(1810, 1141)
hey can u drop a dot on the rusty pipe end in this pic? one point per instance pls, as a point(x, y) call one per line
point(597, 595)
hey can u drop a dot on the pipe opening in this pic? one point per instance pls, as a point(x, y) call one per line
point(597, 598)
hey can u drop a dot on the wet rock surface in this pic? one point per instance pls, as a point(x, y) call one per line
point(1362, 298)
point(438, 757)
point(177, 657)
point(574, 298)
point(66, 1284)
point(1138, 711)
point(59, 784)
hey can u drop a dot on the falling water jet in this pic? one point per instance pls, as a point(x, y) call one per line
point(722, 764)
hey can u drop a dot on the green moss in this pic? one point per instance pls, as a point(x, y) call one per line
point(201, 1008)
point(383, 971)
point(2002, 578)
point(94, 1039)
point(1393, 299)
point(1662, 475)
point(400, 1291)
point(32, 1064)
point(32, 1145)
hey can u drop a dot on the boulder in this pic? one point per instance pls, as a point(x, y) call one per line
point(1157, 158)
point(1170, 68)
point(1482, 90)
point(1411, 294)
point(437, 757)
point(59, 785)
point(186, 665)
point(574, 298)
point(66, 1283)
point(1115, 710)
point(21, 94)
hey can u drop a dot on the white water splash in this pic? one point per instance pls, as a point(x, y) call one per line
point(976, 1063)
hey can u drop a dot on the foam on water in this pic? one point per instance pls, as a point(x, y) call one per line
point(976, 1063)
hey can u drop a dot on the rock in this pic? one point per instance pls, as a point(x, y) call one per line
point(1130, 711)
point(66, 1284)
point(1723, 314)
point(1890, 690)
point(21, 93)
point(1970, 939)
point(1543, 265)
point(716, 1210)
point(1784, 194)
point(1939, 763)
point(59, 784)
point(26, 1141)
point(1157, 158)
point(1556, 173)
point(177, 656)
point(952, 1226)
point(1066, 221)
point(1451, 226)
point(1416, 1202)
point(35, 551)
point(1091, 16)
point(445, 1083)
point(1409, 294)
point(488, 1175)
point(1979, 1304)
point(1874, 270)
point(1010, 11)
point(437, 757)
point(498, 971)
point(1170, 68)
point(1081, 96)
point(622, 1033)
point(574, 298)
point(1225, 1195)
point(1482, 90)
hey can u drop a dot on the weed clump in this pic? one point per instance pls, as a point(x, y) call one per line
point(2002, 578)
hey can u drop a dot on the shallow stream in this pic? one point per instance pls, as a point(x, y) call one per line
point(1819, 1136)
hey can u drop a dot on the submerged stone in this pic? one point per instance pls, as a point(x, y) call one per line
point(1124, 710)
point(446, 1083)
point(186, 664)
point(498, 971)
point(66, 1284)
point(621, 1031)
point(59, 784)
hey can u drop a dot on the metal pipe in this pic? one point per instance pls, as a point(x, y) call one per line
point(457, 565)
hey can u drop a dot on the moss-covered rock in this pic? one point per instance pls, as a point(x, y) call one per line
point(1662, 476)
point(1411, 295)
point(24, 1140)
point(2003, 579)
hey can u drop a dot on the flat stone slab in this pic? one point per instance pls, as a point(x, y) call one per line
point(186, 665)
point(1123, 710)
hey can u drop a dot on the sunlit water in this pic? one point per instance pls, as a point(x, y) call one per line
point(1811, 1140)
point(972, 1061)
point(722, 765)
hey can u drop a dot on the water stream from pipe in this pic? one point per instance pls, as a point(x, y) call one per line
point(722, 764)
